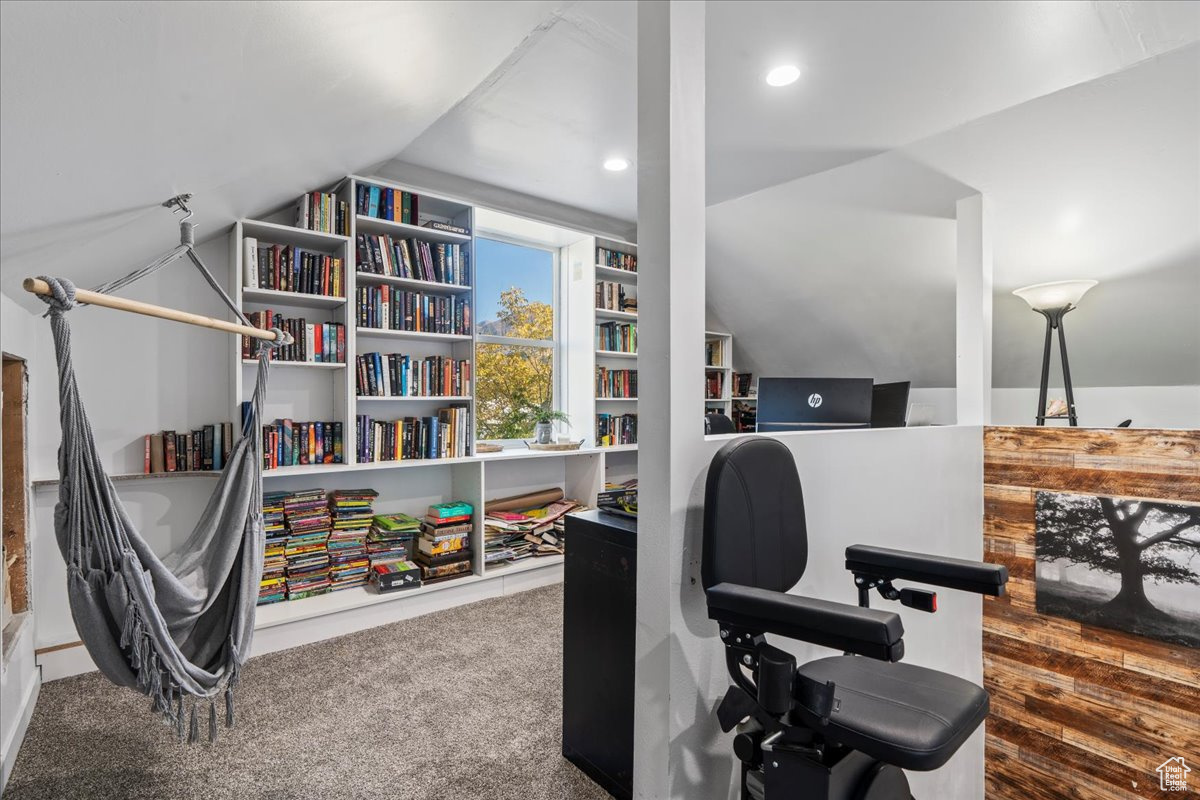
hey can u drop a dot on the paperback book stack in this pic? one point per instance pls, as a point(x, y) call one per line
point(307, 546)
point(510, 536)
point(444, 549)
point(391, 538)
point(273, 586)
point(349, 565)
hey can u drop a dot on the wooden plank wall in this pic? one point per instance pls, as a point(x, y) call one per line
point(1079, 711)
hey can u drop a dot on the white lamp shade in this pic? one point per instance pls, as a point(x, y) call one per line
point(1059, 294)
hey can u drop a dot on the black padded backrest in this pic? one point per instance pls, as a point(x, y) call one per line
point(754, 531)
point(717, 423)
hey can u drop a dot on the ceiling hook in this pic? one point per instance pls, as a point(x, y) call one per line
point(179, 202)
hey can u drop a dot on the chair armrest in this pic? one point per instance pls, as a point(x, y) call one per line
point(864, 631)
point(953, 573)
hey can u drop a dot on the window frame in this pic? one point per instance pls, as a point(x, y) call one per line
point(557, 392)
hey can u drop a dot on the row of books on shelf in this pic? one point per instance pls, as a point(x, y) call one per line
point(616, 382)
point(714, 352)
point(323, 212)
point(616, 259)
point(385, 307)
point(614, 429)
point(400, 375)
point(287, 268)
point(312, 342)
point(714, 385)
point(611, 296)
point(619, 337)
point(446, 434)
point(318, 543)
point(522, 531)
point(382, 202)
point(205, 449)
point(743, 384)
point(412, 258)
point(287, 443)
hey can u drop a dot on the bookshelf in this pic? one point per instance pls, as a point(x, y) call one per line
point(718, 369)
point(327, 391)
point(612, 284)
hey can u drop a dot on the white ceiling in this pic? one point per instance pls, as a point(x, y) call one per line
point(110, 108)
point(1101, 180)
point(880, 75)
point(877, 76)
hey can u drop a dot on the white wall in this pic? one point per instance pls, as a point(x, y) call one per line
point(918, 489)
point(1106, 406)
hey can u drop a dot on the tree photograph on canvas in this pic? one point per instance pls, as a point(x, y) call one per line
point(1132, 565)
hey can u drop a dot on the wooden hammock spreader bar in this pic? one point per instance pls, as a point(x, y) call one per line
point(40, 287)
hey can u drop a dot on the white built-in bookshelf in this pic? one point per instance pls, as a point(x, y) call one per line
point(622, 281)
point(718, 367)
point(310, 391)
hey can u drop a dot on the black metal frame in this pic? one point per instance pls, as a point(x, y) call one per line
point(1054, 320)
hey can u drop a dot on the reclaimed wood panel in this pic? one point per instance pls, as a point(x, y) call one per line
point(1080, 711)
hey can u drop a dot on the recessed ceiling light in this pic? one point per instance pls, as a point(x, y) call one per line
point(783, 75)
point(616, 164)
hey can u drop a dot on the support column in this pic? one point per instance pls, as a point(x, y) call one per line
point(974, 311)
point(671, 246)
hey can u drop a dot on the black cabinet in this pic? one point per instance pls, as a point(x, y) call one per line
point(599, 619)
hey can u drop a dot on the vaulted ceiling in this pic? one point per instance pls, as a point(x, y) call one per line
point(109, 108)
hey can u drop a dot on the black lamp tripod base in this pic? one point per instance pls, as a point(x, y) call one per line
point(1054, 320)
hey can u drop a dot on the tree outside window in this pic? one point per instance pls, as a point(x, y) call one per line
point(515, 350)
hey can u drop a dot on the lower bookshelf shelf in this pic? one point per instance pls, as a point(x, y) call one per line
point(349, 599)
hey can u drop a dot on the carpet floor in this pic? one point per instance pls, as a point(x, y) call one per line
point(464, 703)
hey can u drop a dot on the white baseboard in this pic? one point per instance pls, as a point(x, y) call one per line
point(13, 746)
point(68, 661)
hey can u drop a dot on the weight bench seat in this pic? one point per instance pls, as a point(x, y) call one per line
point(912, 717)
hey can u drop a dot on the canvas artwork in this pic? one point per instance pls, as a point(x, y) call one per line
point(1132, 565)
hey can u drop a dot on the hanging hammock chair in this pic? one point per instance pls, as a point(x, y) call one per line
point(178, 627)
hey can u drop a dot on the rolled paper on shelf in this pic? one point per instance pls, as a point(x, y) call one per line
point(520, 501)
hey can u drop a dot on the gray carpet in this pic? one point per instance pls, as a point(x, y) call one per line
point(464, 703)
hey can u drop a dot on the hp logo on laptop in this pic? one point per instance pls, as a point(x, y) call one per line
point(815, 400)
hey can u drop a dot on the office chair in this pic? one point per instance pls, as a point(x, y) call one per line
point(717, 423)
point(838, 728)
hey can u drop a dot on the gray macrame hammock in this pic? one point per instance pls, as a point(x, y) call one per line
point(176, 628)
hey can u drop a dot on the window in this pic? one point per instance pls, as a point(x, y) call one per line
point(515, 354)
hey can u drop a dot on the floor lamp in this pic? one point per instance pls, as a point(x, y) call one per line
point(1053, 301)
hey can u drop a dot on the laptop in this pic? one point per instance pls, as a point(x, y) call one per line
point(800, 404)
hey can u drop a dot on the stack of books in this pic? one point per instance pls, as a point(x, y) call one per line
point(273, 586)
point(443, 436)
point(415, 259)
point(322, 211)
point(307, 546)
point(444, 547)
point(400, 375)
point(391, 538)
point(617, 337)
point(349, 565)
point(510, 536)
point(285, 268)
point(616, 260)
point(389, 308)
point(287, 443)
point(614, 429)
point(204, 449)
point(312, 342)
